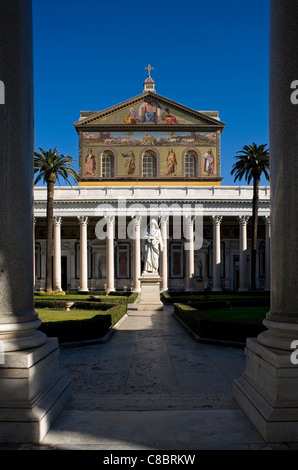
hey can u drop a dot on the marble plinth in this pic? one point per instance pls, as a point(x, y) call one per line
point(33, 393)
point(267, 392)
point(149, 297)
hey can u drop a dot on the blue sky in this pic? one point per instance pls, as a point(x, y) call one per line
point(91, 55)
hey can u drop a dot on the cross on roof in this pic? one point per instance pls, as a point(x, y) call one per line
point(149, 68)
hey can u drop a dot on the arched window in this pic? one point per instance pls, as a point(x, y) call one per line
point(107, 165)
point(149, 165)
point(190, 165)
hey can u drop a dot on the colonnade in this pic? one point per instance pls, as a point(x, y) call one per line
point(189, 284)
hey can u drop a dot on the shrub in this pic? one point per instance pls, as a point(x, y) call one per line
point(80, 304)
point(77, 330)
point(54, 293)
point(206, 327)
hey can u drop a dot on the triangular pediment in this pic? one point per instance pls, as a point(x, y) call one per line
point(149, 109)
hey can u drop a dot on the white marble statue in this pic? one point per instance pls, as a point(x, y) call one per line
point(152, 245)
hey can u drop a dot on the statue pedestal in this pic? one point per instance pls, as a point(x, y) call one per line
point(149, 298)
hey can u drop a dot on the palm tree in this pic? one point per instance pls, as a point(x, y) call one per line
point(252, 162)
point(50, 166)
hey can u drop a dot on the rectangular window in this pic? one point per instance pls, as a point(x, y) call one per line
point(123, 261)
point(176, 261)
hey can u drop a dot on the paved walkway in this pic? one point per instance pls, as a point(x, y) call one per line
point(152, 387)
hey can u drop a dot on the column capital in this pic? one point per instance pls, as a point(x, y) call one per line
point(216, 219)
point(57, 220)
point(189, 219)
point(243, 219)
point(267, 220)
point(110, 219)
point(83, 220)
point(164, 219)
point(137, 219)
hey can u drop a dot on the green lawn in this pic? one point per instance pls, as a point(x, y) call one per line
point(242, 314)
point(54, 315)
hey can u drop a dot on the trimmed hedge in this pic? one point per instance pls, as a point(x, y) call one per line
point(206, 327)
point(103, 303)
point(54, 293)
point(77, 330)
point(81, 305)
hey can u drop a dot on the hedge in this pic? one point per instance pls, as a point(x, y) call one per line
point(92, 328)
point(206, 327)
point(103, 303)
point(81, 305)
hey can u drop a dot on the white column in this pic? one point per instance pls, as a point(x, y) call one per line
point(137, 255)
point(190, 260)
point(267, 252)
point(110, 253)
point(57, 253)
point(216, 221)
point(243, 219)
point(164, 253)
point(83, 254)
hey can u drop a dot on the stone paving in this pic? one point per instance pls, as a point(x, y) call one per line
point(151, 386)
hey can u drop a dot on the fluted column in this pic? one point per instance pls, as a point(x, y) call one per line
point(242, 219)
point(189, 252)
point(216, 221)
point(137, 255)
point(110, 241)
point(267, 252)
point(83, 254)
point(57, 253)
point(164, 254)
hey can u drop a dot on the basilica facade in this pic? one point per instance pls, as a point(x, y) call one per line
point(150, 157)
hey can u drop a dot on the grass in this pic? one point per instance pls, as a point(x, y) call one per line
point(54, 315)
point(241, 314)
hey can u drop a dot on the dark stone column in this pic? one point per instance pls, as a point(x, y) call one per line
point(268, 389)
point(32, 389)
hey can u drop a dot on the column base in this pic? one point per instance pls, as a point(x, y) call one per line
point(33, 393)
point(267, 392)
point(81, 289)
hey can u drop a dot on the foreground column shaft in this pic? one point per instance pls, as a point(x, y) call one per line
point(268, 390)
point(18, 321)
point(32, 389)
